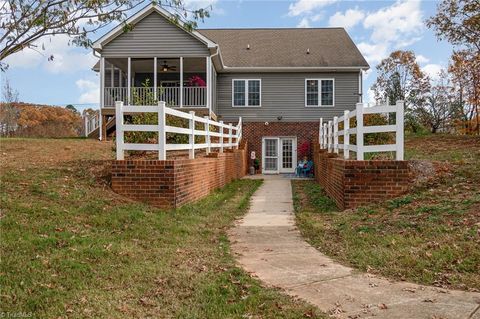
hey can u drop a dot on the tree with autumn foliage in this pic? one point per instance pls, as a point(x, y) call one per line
point(400, 78)
point(47, 121)
point(465, 72)
point(459, 23)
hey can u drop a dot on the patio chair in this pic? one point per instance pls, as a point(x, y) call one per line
point(308, 170)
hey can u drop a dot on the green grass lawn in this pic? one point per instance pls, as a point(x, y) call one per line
point(71, 248)
point(431, 236)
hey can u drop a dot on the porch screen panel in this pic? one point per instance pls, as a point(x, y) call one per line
point(254, 92)
point(239, 93)
point(327, 92)
point(312, 92)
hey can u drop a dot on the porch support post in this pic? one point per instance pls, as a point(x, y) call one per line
point(155, 78)
point(181, 81)
point(112, 75)
point(120, 75)
point(129, 79)
point(102, 94)
point(102, 81)
point(209, 77)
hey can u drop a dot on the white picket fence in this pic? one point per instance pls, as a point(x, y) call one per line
point(329, 132)
point(228, 135)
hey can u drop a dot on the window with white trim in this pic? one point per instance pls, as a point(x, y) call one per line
point(319, 92)
point(246, 92)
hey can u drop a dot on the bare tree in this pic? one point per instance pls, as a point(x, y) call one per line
point(8, 112)
point(25, 22)
point(439, 109)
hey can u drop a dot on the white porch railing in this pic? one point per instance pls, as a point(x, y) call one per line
point(329, 133)
point(92, 122)
point(192, 96)
point(226, 139)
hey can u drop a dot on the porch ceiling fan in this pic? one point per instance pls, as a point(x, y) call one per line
point(166, 68)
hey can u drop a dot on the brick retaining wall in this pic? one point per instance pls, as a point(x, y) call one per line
point(352, 183)
point(172, 183)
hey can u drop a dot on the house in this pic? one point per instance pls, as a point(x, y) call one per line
point(279, 81)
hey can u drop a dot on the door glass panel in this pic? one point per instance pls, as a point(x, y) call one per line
point(271, 164)
point(287, 153)
point(270, 147)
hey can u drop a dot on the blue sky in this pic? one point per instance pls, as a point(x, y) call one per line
point(377, 27)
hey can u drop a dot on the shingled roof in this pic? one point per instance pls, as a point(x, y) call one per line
point(315, 47)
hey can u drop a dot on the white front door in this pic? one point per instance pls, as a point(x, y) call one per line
point(270, 155)
point(279, 155)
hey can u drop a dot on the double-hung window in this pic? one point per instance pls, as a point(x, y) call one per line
point(246, 92)
point(319, 92)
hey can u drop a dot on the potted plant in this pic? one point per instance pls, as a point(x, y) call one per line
point(256, 164)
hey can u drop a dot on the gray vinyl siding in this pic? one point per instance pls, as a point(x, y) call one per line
point(155, 36)
point(283, 94)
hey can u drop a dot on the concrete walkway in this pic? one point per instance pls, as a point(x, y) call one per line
point(267, 244)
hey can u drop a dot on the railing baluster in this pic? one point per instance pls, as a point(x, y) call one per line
point(399, 134)
point(162, 136)
point(221, 136)
point(329, 136)
point(207, 137)
point(192, 135)
point(119, 129)
point(320, 133)
point(359, 115)
point(335, 134)
point(346, 134)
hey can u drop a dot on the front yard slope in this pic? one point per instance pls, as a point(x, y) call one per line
point(430, 236)
point(71, 248)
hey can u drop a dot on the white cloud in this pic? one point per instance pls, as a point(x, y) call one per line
point(307, 6)
point(90, 91)
point(394, 23)
point(422, 59)
point(66, 58)
point(350, 18)
point(211, 5)
point(393, 27)
point(432, 70)
point(304, 23)
point(373, 53)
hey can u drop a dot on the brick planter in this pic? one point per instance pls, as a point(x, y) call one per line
point(352, 183)
point(172, 183)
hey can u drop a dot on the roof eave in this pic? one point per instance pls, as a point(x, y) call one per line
point(296, 69)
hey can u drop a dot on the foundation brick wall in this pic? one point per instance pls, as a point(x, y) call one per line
point(254, 131)
point(352, 183)
point(173, 183)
